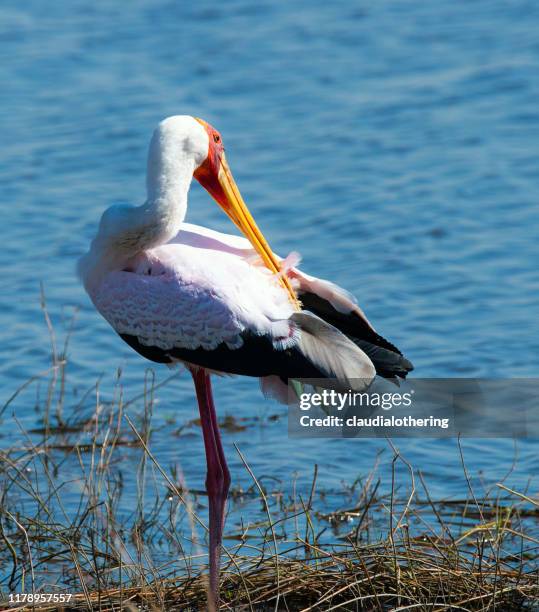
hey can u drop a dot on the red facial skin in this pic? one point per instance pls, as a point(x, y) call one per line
point(208, 172)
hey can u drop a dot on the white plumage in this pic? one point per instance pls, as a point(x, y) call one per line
point(181, 295)
point(205, 288)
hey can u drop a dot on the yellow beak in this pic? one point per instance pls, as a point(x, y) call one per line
point(234, 206)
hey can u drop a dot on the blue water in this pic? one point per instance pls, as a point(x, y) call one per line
point(393, 144)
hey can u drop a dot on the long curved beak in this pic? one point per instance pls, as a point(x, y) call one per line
point(229, 199)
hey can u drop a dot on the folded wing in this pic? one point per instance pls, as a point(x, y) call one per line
point(212, 308)
point(323, 298)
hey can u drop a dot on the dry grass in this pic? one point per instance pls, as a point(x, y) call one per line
point(395, 551)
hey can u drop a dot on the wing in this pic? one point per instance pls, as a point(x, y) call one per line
point(328, 301)
point(212, 308)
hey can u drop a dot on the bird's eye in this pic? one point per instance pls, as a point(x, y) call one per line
point(216, 138)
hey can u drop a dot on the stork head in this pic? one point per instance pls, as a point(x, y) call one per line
point(198, 141)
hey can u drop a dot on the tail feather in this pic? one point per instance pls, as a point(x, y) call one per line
point(387, 363)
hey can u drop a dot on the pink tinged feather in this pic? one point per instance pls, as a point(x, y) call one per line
point(202, 298)
point(339, 298)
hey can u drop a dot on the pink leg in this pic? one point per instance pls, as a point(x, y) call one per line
point(217, 477)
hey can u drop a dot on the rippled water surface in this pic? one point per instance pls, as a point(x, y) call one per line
point(393, 144)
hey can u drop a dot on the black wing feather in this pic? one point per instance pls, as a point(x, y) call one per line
point(386, 357)
point(256, 357)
